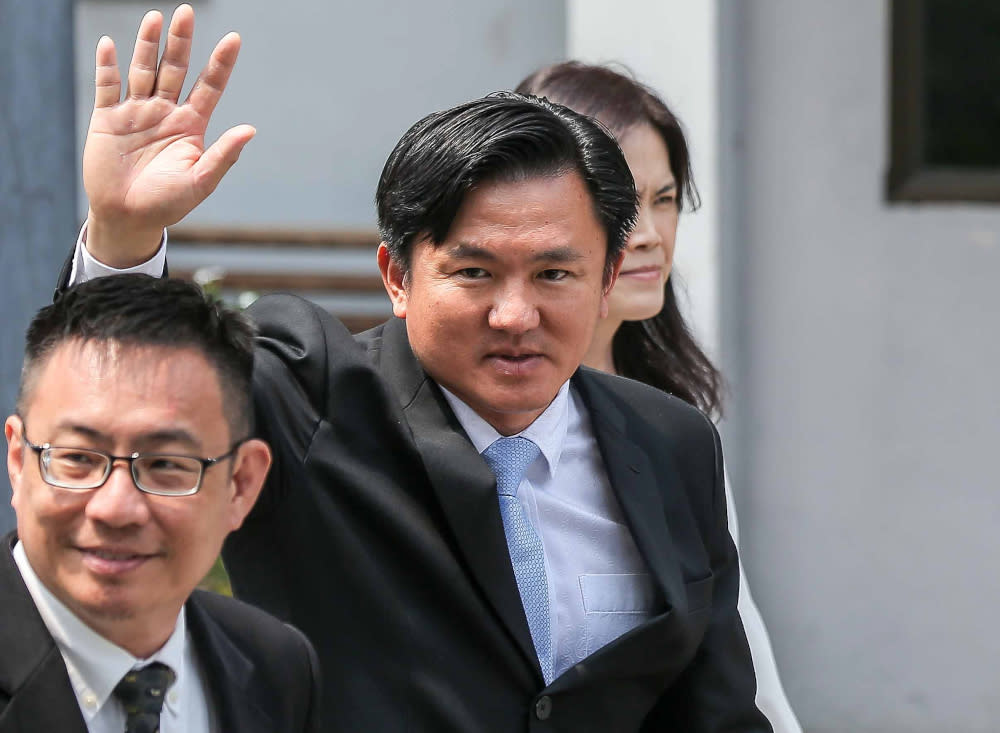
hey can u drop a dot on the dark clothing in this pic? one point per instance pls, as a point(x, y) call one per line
point(262, 675)
point(379, 535)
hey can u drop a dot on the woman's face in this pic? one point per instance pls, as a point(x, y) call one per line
point(649, 252)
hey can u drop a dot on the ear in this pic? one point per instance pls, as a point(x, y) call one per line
point(251, 465)
point(393, 277)
point(616, 270)
point(15, 453)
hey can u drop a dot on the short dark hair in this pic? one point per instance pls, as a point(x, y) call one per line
point(660, 351)
point(503, 137)
point(138, 310)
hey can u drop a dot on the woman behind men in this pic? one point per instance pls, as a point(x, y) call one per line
point(644, 336)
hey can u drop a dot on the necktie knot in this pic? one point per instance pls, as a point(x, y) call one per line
point(509, 458)
point(141, 693)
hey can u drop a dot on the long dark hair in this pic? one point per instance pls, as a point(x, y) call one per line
point(661, 350)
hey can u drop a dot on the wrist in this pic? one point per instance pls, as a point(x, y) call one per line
point(120, 247)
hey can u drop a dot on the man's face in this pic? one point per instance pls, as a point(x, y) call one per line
point(122, 560)
point(501, 312)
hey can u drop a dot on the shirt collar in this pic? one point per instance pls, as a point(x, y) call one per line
point(548, 431)
point(96, 665)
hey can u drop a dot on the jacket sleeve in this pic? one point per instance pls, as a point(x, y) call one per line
point(716, 691)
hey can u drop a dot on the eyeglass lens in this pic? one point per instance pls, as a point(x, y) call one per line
point(79, 468)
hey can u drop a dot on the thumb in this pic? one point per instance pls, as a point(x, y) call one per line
point(216, 161)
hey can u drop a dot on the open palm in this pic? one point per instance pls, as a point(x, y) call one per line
point(145, 164)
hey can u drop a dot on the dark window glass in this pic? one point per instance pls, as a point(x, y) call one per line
point(945, 101)
point(962, 83)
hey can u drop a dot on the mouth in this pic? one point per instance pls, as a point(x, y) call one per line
point(112, 560)
point(514, 363)
point(651, 272)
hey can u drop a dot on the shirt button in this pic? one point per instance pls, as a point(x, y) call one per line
point(90, 700)
point(543, 707)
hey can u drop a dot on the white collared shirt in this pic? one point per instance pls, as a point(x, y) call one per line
point(96, 665)
point(599, 585)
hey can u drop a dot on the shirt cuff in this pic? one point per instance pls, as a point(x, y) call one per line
point(85, 267)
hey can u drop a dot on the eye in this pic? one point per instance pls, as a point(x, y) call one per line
point(553, 275)
point(76, 458)
point(665, 198)
point(169, 463)
point(472, 273)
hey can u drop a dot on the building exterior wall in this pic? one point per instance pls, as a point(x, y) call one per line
point(37, 184)
point(868, 406)
point(672, 46)
point(331, 86)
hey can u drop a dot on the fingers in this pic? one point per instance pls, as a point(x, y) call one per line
point(176, 55)
point(107, 80)
point(219, 158)
point(212, 82)
point(142, 70)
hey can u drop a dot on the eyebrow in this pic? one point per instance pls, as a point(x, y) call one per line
point(666, 188)
point(560, 254)
point(167, 435)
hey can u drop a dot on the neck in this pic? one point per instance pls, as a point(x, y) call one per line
point(140, 643)
point(599, 355)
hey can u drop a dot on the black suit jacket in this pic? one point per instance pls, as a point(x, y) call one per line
point(262, 675)
point(379, 535)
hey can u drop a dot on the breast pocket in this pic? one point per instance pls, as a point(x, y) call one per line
point(616, 604)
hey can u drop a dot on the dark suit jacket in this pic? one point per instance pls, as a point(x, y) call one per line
point(262, 675)
point(379, 535)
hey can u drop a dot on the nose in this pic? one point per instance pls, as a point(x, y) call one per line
point(515, 310)
point(119, 502)
point(645, 234)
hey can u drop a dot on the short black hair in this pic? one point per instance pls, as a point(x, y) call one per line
point(503, 137)
point(138, 310)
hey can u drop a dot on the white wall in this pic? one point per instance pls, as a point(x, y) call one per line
point(868, 388)
point(672, 46)
point(331, 86)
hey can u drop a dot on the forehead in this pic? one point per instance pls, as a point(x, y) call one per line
point(105, 380)
point(646, 153)
point(555, 210)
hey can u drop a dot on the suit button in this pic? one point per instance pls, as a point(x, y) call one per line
point(543, 707)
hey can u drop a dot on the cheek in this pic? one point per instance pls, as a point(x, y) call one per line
point(668, 234)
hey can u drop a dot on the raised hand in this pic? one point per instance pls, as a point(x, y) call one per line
point(145, 165)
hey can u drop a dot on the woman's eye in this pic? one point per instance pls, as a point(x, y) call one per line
point(666, 199)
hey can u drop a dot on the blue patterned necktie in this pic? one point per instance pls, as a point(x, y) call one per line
point(509, 458)
point(141, 693)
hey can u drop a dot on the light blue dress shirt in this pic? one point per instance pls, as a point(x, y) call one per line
point(599, 586)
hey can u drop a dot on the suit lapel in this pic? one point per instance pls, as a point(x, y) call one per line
point(463, 483)
point(228, 672)
point(639, 489)
point(32, 671)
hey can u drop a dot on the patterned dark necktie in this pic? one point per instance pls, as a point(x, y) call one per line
point(141, 693)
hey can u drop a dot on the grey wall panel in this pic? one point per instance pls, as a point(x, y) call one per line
point(37, 174)
point(867, 383)
point(332, 85)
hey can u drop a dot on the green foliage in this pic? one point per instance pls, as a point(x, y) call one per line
point(217, 580)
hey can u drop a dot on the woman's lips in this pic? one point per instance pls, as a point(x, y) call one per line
point(643, 273)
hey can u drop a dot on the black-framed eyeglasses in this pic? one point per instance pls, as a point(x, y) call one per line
point(162, 474)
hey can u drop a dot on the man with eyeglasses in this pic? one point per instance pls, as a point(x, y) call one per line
point(129, 465)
